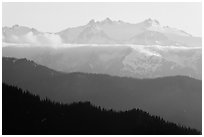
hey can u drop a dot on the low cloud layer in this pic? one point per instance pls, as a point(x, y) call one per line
point(42, 39)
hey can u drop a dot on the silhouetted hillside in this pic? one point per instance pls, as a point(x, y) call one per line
point(24, 113)
point(177, 99)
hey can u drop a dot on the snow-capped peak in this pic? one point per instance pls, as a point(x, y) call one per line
point(152, 22)
point(146, 32)
point(107, 21)
point(91, 22)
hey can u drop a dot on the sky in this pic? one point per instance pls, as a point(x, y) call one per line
point(54, 17)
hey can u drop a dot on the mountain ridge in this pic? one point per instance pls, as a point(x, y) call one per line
point(118, 32)
point(20, 119)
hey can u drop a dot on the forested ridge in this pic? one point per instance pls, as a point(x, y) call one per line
point(26, 113)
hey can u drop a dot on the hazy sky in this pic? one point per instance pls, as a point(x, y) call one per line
point(54, 17)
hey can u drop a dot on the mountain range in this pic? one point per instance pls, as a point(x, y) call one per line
point(147, 32)
point(176, 98)
point(141, 50)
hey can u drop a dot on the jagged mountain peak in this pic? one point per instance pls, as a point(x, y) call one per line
point(107, 21)
point(151, 22)
point(92, 28)
point(91, 22)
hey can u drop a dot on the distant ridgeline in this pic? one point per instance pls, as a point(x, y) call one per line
point(25, 113)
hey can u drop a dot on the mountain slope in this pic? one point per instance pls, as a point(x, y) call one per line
point(151, 38)
point(93, 34)
point(24, 113)
point(177, 99)
point(128, 60)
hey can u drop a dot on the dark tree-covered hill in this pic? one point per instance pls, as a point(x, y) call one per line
point(25, 113)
